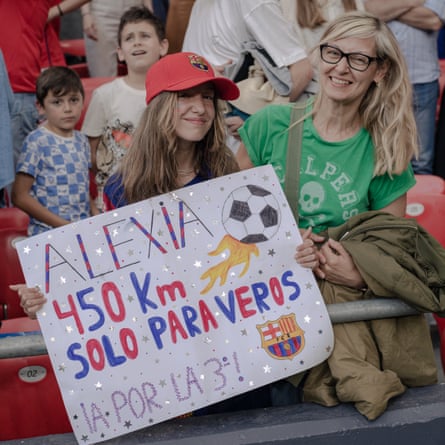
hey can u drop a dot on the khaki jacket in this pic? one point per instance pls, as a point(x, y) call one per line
point(373, 361)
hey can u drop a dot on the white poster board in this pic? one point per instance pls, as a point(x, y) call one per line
point(157, 309)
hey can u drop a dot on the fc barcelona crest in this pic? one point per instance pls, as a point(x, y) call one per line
point(282, 338)
point(198, 62)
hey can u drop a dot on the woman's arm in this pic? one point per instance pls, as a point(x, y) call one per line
point(397, 207)
point(422, 18)
point(64, 7)
point(391, 10)
point(243, 158)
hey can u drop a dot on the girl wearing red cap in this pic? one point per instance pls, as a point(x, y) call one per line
point(181, 137)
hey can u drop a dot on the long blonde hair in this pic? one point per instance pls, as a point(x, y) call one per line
point(386, 109)
point(149, 168)
point(310, 15)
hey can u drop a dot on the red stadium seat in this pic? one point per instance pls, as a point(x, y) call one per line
point(31, 403)
point(428, 184)
point(73, 47)
point(13, 226)
point(429, 210)
point(81, 69)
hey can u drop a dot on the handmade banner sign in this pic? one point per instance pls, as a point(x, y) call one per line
point(174, 303)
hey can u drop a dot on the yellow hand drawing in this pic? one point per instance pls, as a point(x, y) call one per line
point(239, 253)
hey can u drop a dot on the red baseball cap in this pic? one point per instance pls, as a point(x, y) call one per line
point(181, 71)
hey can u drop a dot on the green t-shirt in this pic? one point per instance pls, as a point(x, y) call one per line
point(336, 178)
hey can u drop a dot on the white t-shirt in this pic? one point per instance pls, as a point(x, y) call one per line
point(217, 28)
point(111, 102)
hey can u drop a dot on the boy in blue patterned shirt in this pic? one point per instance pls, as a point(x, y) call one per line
point(52, 181)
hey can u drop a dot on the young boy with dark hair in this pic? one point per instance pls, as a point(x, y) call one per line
point(52, 174)
point(116, 107)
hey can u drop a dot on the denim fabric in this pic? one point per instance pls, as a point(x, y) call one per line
point(6, 151)
point(425, 101)
point(24, 119)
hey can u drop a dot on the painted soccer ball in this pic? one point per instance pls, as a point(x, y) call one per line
point(251, 214)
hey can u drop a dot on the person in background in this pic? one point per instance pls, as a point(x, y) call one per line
point(6, 150)
point(416, 25)
point(51, 52)
point(218, 28)
point(355, 158)
point(21, 37)
point(52, 179)
point(100, 23)
point(310, 19)
point(116, 107)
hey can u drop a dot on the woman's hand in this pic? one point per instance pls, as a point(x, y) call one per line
point(337, 266)
point(307, 252)
point(31, 299)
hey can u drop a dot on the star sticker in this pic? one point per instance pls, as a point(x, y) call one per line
point(130, 298)
point(98, 386)
point(62, 367)
point(127, 424)
point(267, 369)
point(131, 252)
point(69, 329)
point(244, 332)
point(85, 438)
point(288, 235)
point(62, 280)
point(307, 319)
point(198, 264)
point(115, 233)
point(265, 178)
point(160, 233)
point(271, 252)
point(162, 383)
point(26, 250)
point(308, 285)
point(69, 250)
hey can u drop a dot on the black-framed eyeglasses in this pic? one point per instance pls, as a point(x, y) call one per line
point(357, 61)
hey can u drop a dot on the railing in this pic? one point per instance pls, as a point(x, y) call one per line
point(33, 344)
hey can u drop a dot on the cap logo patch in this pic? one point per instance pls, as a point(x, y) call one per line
point(198, 62)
